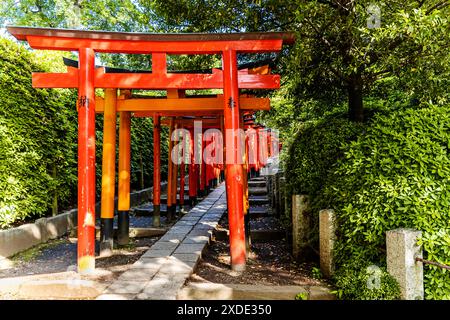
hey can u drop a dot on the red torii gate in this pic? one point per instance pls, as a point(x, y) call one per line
point(87, 77)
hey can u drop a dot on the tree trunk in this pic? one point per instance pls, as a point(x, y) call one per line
point(355, 98)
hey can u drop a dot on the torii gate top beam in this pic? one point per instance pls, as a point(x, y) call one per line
point(159, 45)
point(171, 43)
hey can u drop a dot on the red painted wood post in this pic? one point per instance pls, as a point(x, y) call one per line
point(269, 143)
point(204, 173)
point(170, 173)
point(222, 166)
point(256, 153)
point(263, 153)
point(202, 170)
point(245, 168)
point(207, 169)
point(175, 175)
point(215, 165)
point(192, 178)
point(86, 162)
point(156, 171)
point(182, 172)
point(234, 175)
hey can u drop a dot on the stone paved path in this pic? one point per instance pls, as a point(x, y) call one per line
point(165, 267)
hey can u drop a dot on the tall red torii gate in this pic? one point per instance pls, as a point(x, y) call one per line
point(87, 77)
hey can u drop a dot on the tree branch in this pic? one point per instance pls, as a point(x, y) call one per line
point(330, 3)
point(437, 6)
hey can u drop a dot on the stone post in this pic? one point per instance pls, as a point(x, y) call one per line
point(327, 236)
point(402, 251)
point(273, 192)
point(287, 206)
point(278, 195)
point(300, 225)
point(281, 196)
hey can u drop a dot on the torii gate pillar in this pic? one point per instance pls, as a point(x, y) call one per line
point(234, 175)
point(86, 162)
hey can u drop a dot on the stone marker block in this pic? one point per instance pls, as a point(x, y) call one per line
point(327, 237)
point(300, 225)
point(402, 251)
point(281, 196)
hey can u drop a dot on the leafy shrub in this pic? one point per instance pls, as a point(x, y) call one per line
point(311, 156)
point(301, 296)
point(37, 136)
point(361, 280)
point(315, 149)
point(395, 175)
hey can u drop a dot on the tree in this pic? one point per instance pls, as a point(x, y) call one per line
point(350, 45)
point(343, 48)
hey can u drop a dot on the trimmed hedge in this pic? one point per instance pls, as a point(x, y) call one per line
point(310, 157)
point(37, 139)
point(395, 175)
point(315, 149)
point(361, 280)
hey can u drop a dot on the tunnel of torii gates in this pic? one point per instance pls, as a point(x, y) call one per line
point(224, 112)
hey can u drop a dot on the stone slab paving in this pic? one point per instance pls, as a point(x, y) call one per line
point(162, 271)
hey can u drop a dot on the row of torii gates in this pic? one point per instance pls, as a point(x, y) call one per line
point(224, 112)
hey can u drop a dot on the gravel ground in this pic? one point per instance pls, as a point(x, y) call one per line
point(61, 255)
point(269, 263)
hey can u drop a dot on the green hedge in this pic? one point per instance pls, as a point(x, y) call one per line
point(362, 280)
point(310, 157)
point(314, 150)
point(397, 174)
point(37, 139)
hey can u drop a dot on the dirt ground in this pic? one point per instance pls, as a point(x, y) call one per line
point(61, 255)
point(269, 263)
